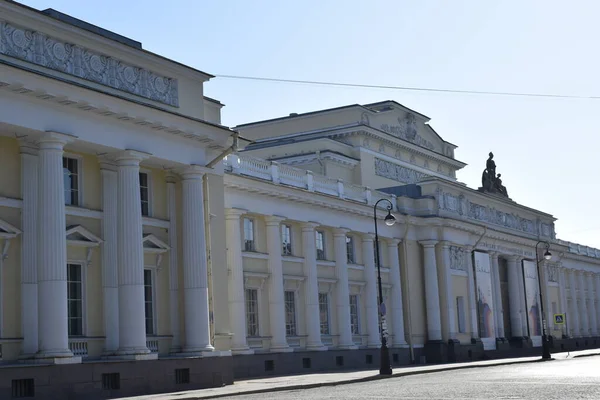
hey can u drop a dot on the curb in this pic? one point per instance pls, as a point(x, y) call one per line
point(349, 381)
point(587, 355)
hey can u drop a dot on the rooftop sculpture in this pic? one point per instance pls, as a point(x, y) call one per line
point(490, 181)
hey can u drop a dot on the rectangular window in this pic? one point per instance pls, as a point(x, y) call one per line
point(290, 313)
point(149, 301)
point(460, 312)
point(320, 237)
point(75, 299)
point(354, 324)
point(252, 312)
point(324, 313)
point(286, 239)
point(145, 193)
point(71, 180)
point(249, 234)
point(350, 249)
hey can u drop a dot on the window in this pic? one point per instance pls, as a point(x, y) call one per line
point(249, 234)
point(71, 179)
point(290, 313)
point(320, 237)
point(324, 313)
point(354, 324)
point(460, 312)
point(75, 299)
point(149, 301)
point(252, 312)
point(286, 238)
point(145, 193)
point(350, 249)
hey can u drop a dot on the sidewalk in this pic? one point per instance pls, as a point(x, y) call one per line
point(295, 382)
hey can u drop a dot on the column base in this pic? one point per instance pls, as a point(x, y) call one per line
point(374, 345)
point(347, 347)
point(281, 349)
point(520, 342)
point(204, 349)
point(43, 359)
point(202, 354)
point(400, 345)
point(242, 351)
point(435, 351)
point(317, 347)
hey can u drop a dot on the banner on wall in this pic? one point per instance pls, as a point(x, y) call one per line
point(532, 300)
point(485, 300)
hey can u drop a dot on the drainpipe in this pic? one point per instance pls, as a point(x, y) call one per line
point(228, 151)
point(407, 291)
point(318, 154)
point(480, 237)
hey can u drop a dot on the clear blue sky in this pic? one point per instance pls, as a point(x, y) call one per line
point(546, 149)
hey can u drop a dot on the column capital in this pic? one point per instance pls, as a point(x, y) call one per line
point(234, 213)
point(445, 244)
point(28, 146)
point(513, 258)
point(340, 231)
point(54, 140)
point(107, 165)
point(428, 243)
point(192, 172)
point(393, 242)
point(309, 226)
point(271, 220)
point(129, 157)
point(367, 237)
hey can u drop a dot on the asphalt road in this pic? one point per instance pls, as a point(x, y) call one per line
point(577, 378)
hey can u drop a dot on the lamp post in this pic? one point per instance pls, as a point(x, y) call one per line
point(547, 256)
point(385, 367)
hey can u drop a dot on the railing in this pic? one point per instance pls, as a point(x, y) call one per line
point(580, 249)
point(78, 347)
point(152, 345)
point(281, 174)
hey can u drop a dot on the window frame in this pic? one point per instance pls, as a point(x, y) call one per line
point(286, 230)
point(323, 243)
point(356, 331)
point(246, 311)
point(328, 305)
point(350, 254)
point(83, 269)
point(79, 159)
point(149, 185)
point(154, 276)
point(295, 312)
point(245, 241)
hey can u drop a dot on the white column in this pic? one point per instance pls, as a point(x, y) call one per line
point(311, 288)
point(342, 290)
point(497, 293)
point(592, 304)
point(195, 272)
point(514, 297)
point(237, 304)
point(596, 279)
point(173, 266)
point(449, 291)
point(130, 256)
point(397, 309)
point(583, 312)
point(29, 288)
point(573, 316)
point(432, 293)
point(523, 303)
point(563, 299)
point(52, 251)
point(276, 297)
point(110, 280)
point(373, 339)
point(472, 296)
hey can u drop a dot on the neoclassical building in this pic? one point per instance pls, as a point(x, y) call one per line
point(144, 247)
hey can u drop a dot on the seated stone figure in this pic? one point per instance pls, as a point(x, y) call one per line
point(499, 187)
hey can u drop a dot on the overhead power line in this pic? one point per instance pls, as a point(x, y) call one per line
point(409, 88)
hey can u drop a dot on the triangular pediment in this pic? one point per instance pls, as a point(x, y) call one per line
point(7, 230)
point(77, 235)
point(153, 244)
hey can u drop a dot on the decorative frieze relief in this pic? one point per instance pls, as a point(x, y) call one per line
point(464, 207)
point(458, 258)
point(407, 130)
point(552, 272)
point(396, 172)
point(38, 48)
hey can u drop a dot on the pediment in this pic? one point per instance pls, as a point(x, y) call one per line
point(7, 231)
point(152, 244)
point(404, 124)
point(77, 235)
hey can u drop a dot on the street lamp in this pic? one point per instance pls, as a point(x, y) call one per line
point(385, 367)
point(547, 256)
